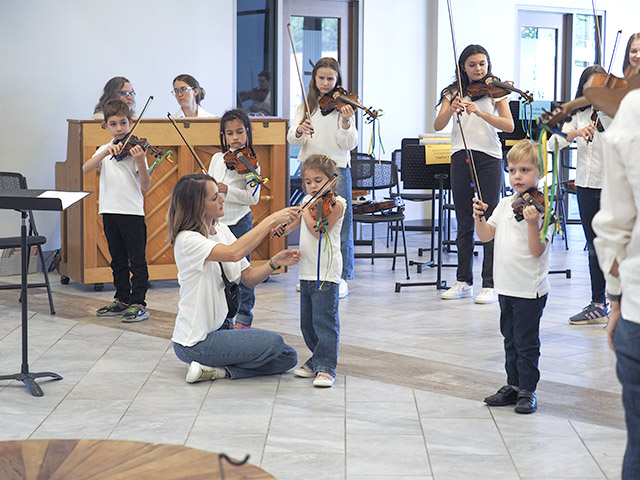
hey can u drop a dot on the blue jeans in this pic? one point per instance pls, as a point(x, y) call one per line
point(490, 180)
point(247, 295)
point(346, 233)
point(244, 353)
point(627, 344)
point(520, 327)
point(320, 324)
point(589, 204)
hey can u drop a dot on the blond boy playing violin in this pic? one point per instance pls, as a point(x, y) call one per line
point(122, 209)
point(520, 267)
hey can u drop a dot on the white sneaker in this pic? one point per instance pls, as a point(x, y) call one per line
point(458, 290)
point(297, 287)
point(323, 380)
point(198, 373)
point(487, 295)
point(303, 371)
point(343, 289)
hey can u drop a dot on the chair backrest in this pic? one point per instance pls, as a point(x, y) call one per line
point(367, 173)
point(17, 181)
point(12, 181)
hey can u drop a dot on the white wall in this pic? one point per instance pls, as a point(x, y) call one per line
point(57, 56)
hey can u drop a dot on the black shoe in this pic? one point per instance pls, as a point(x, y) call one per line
point(507, 395)
point(527, 402)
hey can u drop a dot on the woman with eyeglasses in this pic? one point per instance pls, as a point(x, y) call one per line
point(118, 88)
point(189, 94)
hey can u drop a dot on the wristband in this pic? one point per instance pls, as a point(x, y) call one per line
point(614, 298)
point(273, 267)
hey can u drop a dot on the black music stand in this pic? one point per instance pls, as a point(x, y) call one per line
point(22, 201)
point(416, 173)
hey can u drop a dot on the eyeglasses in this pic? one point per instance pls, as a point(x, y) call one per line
point(131, 94)
point(178, 91)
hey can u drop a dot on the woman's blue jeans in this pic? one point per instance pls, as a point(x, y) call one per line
point(320, 324)
point(627, 345)
point(247, 295)
point(244, 353)
point(346, 233)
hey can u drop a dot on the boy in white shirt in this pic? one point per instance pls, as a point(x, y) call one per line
point(122, 179)
point(520, 276)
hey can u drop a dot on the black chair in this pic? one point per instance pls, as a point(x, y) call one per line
point(15, 181)
point(373, 175)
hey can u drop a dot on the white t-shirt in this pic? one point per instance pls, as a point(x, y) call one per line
point(201, 113)
point(330, 257)
point(241, 193)
point(480, 136)
point(202, 307)
point(329, 137)
point(120, 190)
point(590, 165)
point(516, 272)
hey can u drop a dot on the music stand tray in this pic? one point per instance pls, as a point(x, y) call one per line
point(23, 201)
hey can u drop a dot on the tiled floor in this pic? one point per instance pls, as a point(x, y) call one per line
point(407, 403)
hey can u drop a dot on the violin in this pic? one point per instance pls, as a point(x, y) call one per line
point(132, 142)
point(492, 86)
point(325, 205)
point(244, 161)
point(534, 197)
point(372, 207)
point(338, 98)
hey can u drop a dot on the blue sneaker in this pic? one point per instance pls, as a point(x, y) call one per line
point(591, 314)
point(135, 313)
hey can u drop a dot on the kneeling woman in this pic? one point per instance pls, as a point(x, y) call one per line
point(210, 260)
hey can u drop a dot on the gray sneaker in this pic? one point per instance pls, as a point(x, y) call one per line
point(590, 315)
point(135, 313)
point(115, 308)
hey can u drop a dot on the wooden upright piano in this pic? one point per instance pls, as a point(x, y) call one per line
point(85, 255)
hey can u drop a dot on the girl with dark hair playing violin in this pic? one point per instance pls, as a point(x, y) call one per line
point(585, 128)
point(320, 270)
point(240, 192)
point(334, 134)
point(521, 280)
point(479, 120)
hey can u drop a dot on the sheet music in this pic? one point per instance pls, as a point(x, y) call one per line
point(67, 198)
point(435, 139)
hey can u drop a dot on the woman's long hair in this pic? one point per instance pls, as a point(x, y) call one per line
point(626, 63)
point(464, 78)
point(586, 74)
point(193, 83)
point(186, 209)
point(112, 92)
point(313, 95)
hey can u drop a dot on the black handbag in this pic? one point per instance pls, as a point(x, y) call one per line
point(232, 293)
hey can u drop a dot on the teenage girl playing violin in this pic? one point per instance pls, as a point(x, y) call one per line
point(335, 135)
point(320, 270)
point(240, 191)
point(480, 119)
point(521, 269)
point(583, 128)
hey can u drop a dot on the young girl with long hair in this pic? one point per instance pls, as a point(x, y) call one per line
point(330, 134)
point(479, 119)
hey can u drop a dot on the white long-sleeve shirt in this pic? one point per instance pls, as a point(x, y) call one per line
point(329, 137)
point(617, 225)
point(241, 192)
point(590, 166)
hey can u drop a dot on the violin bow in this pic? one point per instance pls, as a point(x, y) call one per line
point(295, 57)
point(135, 125)
point(470, 161)
point(193, 152)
